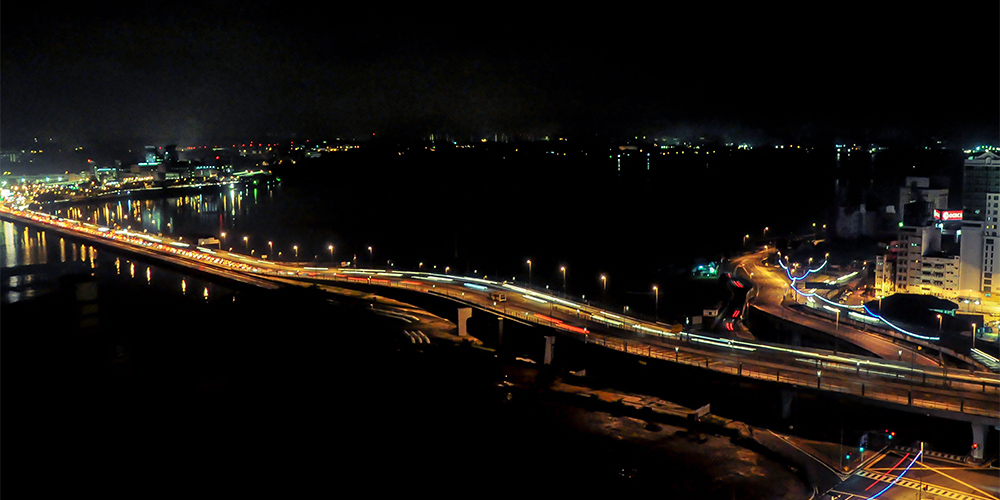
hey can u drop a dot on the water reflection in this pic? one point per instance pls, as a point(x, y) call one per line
point(9, 244)
point(22, 245)
point(210, 212)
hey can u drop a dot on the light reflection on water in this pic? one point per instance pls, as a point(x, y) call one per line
point(26, 246)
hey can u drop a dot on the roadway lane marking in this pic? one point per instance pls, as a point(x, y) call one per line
point(963, 483)
point(916, 484)
point(850, 496)
point(837, 473)
point(405, 317)
point(877, 459)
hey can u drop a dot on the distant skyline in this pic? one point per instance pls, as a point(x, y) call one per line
point(194, 73)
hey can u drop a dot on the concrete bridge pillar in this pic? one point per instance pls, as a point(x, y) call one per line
point(464, 313)
point(979, 432)
point(787, 403)
point(550, 342)
point(500, 332)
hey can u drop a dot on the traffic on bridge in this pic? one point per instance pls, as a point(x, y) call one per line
point(922, 387)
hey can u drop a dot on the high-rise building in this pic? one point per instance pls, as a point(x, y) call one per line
point(990, 240)
point(938, 252)
point(925, 266)
point(980, 175)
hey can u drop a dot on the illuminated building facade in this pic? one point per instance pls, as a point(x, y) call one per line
point(980, 176)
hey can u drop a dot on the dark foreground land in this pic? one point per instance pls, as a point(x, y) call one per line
point(284, 394)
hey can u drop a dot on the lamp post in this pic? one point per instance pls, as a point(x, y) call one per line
point(270, 247)
point(331, 251)
point(604, 285)
point(940, 321)
point(371, 254)
point(656, 304)
point(296, 247)
point(819, 378)
point(973, 335)
point(246, 242)
point(745, 237)
point(529, 272)
point(563, 269)
point(223, 240)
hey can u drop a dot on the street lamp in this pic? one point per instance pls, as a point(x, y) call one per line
point(270, 247)
point(529, 272)
point(838, 320)
point(563, 269)
point(940, 321)
point(973, 335)
point(223, 240)
point(745, 236)
point(656, 309)
point(765, 232)
point(246, 242)
point(331, 251)
point(296, 247)
point(604, 286)
point(371, 254)
point(819, 377)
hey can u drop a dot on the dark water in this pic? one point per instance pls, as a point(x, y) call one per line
point(487, 214)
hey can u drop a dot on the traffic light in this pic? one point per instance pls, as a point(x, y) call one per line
point(861, 449)
point(848, 456)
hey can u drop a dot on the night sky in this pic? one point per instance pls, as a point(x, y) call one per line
point(199, 72)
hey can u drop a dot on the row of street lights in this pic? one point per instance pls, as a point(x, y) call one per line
point(768, 228)
point(295, 248)
point(562, 269)
point(604, 287)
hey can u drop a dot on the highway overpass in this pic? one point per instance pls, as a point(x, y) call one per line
point(952, 394)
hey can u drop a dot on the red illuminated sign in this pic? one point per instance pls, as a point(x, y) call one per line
point(947, 214)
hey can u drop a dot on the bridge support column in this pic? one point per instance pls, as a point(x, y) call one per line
point(500, 333)
point(787, 403)
point(82, 289)
point(464, 313)
point(979, 432)
point(549, 344)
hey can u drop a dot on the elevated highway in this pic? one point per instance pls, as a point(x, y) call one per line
point(925, 388)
